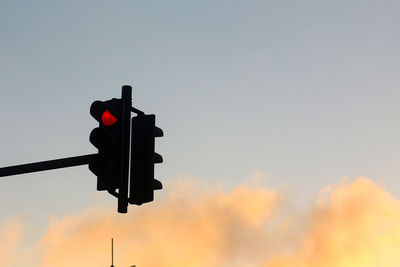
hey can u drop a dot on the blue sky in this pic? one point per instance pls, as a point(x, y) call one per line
point(305, 93)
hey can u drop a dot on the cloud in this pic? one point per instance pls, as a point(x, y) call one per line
point(10, 235)
point(356, 224)
point(351, 224)
point(187, 229)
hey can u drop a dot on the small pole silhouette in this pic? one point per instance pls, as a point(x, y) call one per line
point(112, 252)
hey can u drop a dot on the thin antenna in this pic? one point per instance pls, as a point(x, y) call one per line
point(112, 252)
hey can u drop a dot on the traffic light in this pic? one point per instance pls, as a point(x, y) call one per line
point(143, 158)
point(107, 138)
point(111, 138)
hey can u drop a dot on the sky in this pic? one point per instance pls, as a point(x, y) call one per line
point(270, 110)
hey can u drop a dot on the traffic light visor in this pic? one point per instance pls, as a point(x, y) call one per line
point(97, 109)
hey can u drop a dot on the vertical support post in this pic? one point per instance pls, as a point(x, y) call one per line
point(112, 252)
point(126, 96)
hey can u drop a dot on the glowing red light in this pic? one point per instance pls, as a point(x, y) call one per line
point(108, 119)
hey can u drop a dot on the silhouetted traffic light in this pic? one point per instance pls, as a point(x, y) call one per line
point(111, 164)
point(107, 138)
point(114, 138)
point(143, 158)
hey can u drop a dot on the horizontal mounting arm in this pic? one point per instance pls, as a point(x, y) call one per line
point(46, 165)
point(137, 111)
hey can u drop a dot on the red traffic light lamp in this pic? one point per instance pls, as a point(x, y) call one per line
point(108, 119)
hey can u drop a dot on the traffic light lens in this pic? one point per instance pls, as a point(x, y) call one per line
point(108, 119)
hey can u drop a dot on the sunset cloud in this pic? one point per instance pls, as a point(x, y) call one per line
point(190, 229)
point(351, 224)
point(356, 224)
point(10, 235)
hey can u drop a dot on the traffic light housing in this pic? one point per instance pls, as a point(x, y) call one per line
point(143, 158)
point(107, 138)
point(114, 139)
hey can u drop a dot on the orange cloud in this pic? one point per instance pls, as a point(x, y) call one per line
point(355, 224)
point(206, 228)
point(10, 235)
point(351, 224)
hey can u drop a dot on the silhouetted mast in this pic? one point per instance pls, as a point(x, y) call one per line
point(112, 252)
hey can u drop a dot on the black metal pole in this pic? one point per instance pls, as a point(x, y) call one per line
point(46, 165)
point(126, 96)
point(112, 252)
